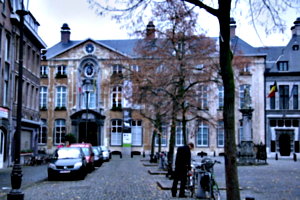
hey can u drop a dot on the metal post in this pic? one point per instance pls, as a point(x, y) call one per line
point(16, 174)
point(87, 112)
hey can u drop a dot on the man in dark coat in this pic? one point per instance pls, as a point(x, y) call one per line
point(182, 165)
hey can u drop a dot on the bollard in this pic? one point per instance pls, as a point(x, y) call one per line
point(295, 157)
point(276, 156)
point(144, 155)
point(249, 198)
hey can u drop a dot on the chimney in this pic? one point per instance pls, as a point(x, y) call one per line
point(65, 33)
point(150, 30)
point(296, 28)
point(232, 27)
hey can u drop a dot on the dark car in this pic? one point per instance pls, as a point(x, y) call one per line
point(89, 154)
point(67, 161)
point(98, 157)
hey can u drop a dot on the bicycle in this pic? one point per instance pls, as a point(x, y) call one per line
point(201, 178)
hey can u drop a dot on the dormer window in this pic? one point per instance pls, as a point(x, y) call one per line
point(282, 66)
point(117, 69)
point(295, 47)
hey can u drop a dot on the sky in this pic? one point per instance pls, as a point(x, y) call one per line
point(85, 23)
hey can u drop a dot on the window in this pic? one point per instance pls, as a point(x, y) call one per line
point(282, 66)
point(6, 85)
point(242, 95)
point(43, 97)
point(295, 47)
point(163, 136)
point(61, 97)
point(220, 134)
point(44, 71)
point(7, 48)
point(117, 69)
point(202, 95)
point(135, 68)
point(295, 96)
point(202, 135)
point(116, 97)
point(116, 132)
point(221, 97)
point(179, 135)
point(61, 70)
point(60, 131)
point(42, 136)
point(91, 100)
point(136, 130)
point(283, 97)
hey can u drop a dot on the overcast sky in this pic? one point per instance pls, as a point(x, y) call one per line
point(84, 23)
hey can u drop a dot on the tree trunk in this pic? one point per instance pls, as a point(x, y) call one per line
point(232, 182)
point(172, 145)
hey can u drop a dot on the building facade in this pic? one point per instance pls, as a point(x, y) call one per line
point(282, 108)
point(76, 97)
point(9, 65)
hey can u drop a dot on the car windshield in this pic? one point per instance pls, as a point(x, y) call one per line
point(86, 151)
point(104, 148)
point(68, 153)
point(95, 150)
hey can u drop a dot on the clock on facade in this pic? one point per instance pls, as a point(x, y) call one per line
point(89, 70)
point(89, 48)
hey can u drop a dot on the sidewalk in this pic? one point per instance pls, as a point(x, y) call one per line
point(31, 174)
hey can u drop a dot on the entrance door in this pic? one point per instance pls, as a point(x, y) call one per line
point(88, 133)
point(2, 141)
point(284, 144)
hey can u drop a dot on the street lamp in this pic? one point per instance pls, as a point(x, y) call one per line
point(87, 86)
point(16, 174)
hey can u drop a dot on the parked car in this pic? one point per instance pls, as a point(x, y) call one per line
point(67, 161)
point(106, 153)
point(89, 154)
point(98, 156)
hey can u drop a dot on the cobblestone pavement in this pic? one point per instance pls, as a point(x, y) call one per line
point(128, 179)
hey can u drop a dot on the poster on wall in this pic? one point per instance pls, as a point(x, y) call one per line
point(126, 139)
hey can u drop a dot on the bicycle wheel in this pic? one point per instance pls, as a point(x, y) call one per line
point(215, 193)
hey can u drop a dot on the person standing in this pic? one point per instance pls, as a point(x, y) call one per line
point(182, 165)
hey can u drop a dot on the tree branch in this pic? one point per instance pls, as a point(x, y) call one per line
point(200, 4)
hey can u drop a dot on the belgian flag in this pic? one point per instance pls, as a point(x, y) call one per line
point(273, 90)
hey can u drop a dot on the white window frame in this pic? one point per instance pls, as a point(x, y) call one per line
point(43, 96)
point(179, 135)
point(116, 97)
point(61, 96)
point(137, 132)
point(116, 132)
point(43, 133)
point(202, 138)
point(220, 134)
point(60, 131)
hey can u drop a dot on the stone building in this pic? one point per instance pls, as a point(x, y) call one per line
point(9, 77)
point(282, 108)
point(76, 98)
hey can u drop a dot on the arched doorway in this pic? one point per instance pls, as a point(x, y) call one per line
point(2, 145)
point(284, 144)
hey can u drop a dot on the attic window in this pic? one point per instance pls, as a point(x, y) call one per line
point(282, 66)
point(295, 47)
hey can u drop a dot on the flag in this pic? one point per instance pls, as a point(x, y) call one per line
point(273, 90)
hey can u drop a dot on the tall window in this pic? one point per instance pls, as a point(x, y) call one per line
point(61, 70)
point(179, 135)
point(6, 85)
point(61, 96)
point(242, 90)
point(91, 100)
point(136, 130)
point(7, 48)
point(42, 136)
point(116, 97)
point(44, 71)
point(60, 131)
point(221, 96)
point(220, 134)
point(295, 96)
point(202, 97)
point(202, 134)
point(116, 132)
point(283, 97)
point(164, 132)
point(43, 97)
